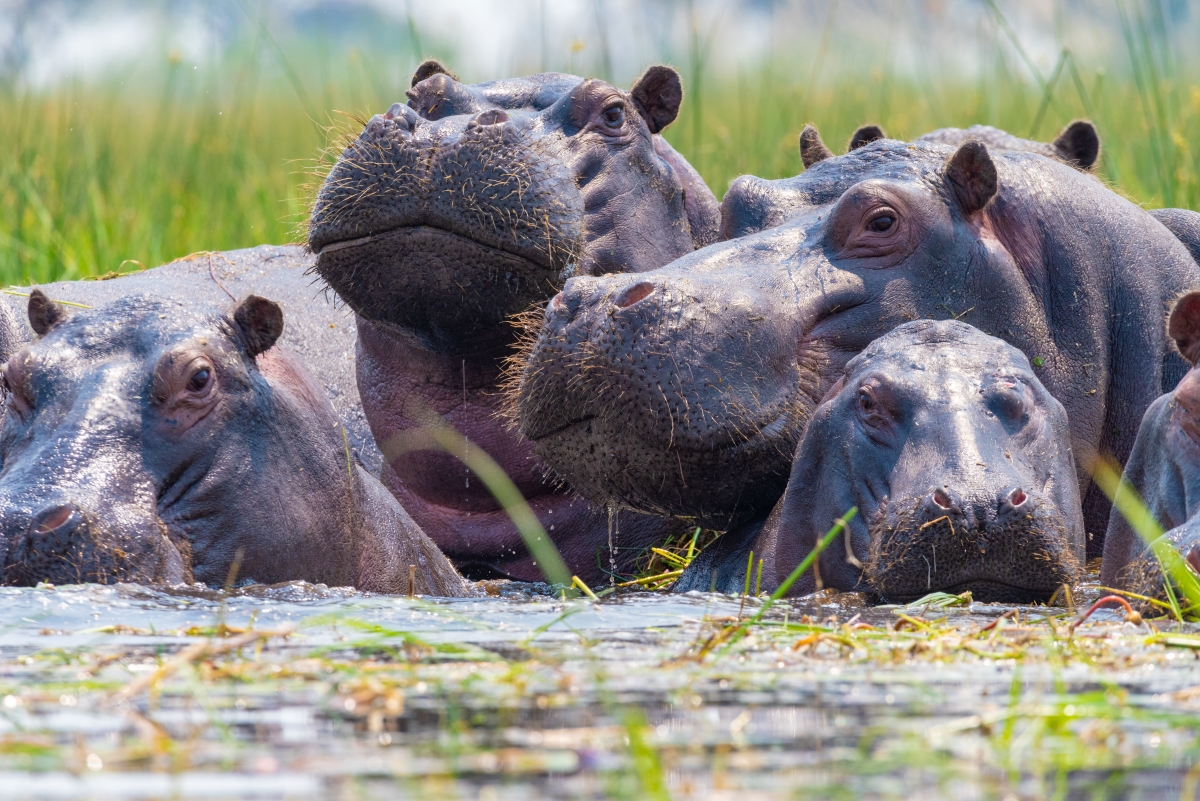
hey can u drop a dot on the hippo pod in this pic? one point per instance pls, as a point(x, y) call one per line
point(684, 391)
point(1164, 471)
point(163, 437)
point(451, 213)
point(958, 461)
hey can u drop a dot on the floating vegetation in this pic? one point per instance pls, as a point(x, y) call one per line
point(297, 691)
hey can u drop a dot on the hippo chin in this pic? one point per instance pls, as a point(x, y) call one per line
point(147, 442)
point(958, 461)
point(1164, 471)
point(471, 203)
point(684, 391)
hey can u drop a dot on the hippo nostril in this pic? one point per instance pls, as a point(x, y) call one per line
point(56, 522)
point(631, 295)
point(52, 519)
point(1017, 497)
point(942, 499)
point(492, 116)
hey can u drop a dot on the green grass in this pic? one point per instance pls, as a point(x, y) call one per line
point(168, 159)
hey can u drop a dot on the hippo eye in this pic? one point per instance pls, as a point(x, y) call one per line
point(882, 223)
point(866, 401)
point(199, 380)
point(614, 115)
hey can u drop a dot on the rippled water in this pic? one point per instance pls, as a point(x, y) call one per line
point(522, 695)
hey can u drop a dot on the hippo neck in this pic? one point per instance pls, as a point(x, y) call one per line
point(403, 384)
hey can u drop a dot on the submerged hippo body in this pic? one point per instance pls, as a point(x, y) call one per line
point(684, 391)
point(158, 436)
point(958, 461)
point(472, 203)
point(1163, 470)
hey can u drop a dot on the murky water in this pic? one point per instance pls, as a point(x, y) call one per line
point(127, 692)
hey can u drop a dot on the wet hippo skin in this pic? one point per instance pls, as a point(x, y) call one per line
point(155, 435)
point(958, 461)
point(757, 205)
point(452, 213)
point(684, 391)
point(1163, 470)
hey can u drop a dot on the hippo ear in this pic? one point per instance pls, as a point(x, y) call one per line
point(260, 322)
point(1079, 144)
point(865, 136)
point(658, 95)
point(972, 173)
point(1184, 326)
point(812, 149)
point(430, 67)
point(44, 313)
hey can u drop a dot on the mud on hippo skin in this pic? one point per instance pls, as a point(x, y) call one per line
point(145, 442)
point(450, 214)
point(958, 461)
point(754, 204)
point(685, 390)
point(1163, 470)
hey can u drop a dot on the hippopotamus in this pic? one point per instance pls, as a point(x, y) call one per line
point(155, 432)
point(470, 204)
point(1077, 144)
point(958, 461)
point(1163, 470)
point(745, 212)
point(684, 391)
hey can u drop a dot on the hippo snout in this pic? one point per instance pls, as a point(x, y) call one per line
point(1002, 546)
point(49, 547)
point(66, 542)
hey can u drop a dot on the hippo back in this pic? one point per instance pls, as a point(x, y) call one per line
point(318, 330)
point(1185, 224)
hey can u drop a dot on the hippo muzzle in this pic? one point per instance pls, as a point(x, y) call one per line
point(62, 543)
point(1006, 546)
point(466, 214)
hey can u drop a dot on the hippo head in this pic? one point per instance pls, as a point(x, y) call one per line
point(474, 202)
point(684, 391)
point(1164, 468)
point(959, 462)
point(116, 426)
point(753, 204)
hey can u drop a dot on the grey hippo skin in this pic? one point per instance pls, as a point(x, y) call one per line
point(749, 209)
point(1164, 470)
point(157, 433)
point(958, 461)
point(1078, 145)
point(685, 391)
point(470, 204)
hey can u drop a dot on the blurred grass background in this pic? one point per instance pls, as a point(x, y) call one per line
point(173, 157)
